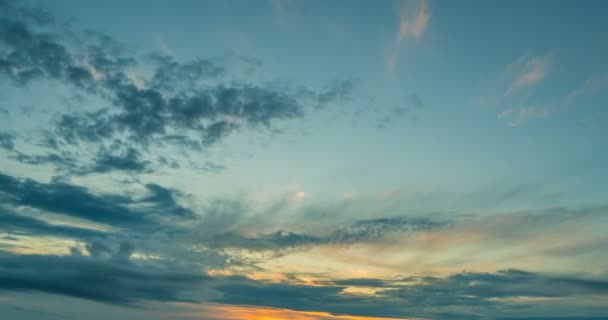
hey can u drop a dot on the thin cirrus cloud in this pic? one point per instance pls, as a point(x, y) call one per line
point(414, 17)
point(528, 72)
point(517, 116)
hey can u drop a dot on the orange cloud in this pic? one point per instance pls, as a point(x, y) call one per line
point(225, 312)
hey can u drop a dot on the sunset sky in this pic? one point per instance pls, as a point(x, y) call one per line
point(307, 160)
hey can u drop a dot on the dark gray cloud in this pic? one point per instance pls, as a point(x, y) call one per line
point(70, 200)
point(170, 73)
point(40, 159)
point(121, 281)
point(359, 231)
point(118, 157)
point(19, 224)
point(467, 295)
point(163, 199)
point(370, 229)
point(7, 140)
point(274, 241)
point(76, 201)
point(477, 288)
point(172, 102)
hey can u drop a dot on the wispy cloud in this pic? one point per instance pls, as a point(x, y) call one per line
point(517, 116)
point(528, 72)
point(413, 19)
point(280, 9)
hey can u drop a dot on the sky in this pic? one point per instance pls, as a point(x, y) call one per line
point(308, 160)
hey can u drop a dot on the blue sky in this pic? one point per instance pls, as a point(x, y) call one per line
point(303, 159)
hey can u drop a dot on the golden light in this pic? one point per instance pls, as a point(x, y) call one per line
point(226, 312)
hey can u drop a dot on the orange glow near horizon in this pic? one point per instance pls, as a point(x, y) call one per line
point(226, 312)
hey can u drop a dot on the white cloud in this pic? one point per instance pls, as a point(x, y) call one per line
point(414, 17)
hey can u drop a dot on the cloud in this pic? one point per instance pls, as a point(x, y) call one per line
point(366, 230)
point(165, 200)
point(109, 281)
point(118, 157)
point(466, 295)
point(528, 71)
point(593, 85)
point(416, 101)
point(18, 224)
point(196, 101)
point(183, 246)
point(412, 24)
point(7, 140)
point(280, 8)
point(517, 116)
point(170, 73)
point(414, 17)
point(67, 199)
point(336, 91)
point(79, 202)
point(279, 240)
point(357, 232)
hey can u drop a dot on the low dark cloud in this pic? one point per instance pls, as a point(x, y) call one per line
point(467, 295)
point(114, 281)
point(477, 288)
point(111, 274)
point(112, 209)
point(19, 224)
point(70, 200)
